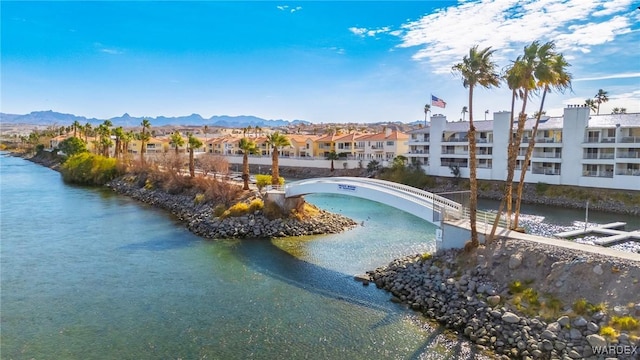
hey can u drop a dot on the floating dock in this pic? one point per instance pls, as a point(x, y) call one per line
point(614, 231)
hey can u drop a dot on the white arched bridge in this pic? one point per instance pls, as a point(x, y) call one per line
point(423, 204)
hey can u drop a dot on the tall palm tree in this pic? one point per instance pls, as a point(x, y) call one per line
point(76, 126)
point(520, 77)
point(601, 97)
point(551, 71)
point(87, 131)
point(464, 112)
point(118, 133)
point(427, 108)
point(276, 140)
point(144, 137)
point(248, 147)
point(194, 143)
point(476, 68)
point(591, 104)
point(176, 140)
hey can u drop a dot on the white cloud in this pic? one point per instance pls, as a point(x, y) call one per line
point(290, 9)
point(613, 6)
point(611, 76)
point(372, 32)
point(102, 48)
point(446, 35)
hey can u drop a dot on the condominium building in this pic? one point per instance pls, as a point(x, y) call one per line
point(576, 149)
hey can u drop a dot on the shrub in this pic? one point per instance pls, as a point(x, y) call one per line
point(236, 210)
point(219, 210)
point(580, 306)
point(89, 169)
point(39, 148)
point(516, 287)
point(199, 198)
point(625, 323)
point(426, 256)
point(72, 146)
point(531, 296)
point(608, 331)
point(264, 180)
point(255, 205)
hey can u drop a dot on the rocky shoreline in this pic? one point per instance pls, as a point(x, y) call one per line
point(200, 220)
point(470, 293)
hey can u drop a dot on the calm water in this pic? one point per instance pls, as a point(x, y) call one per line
point(89, 274)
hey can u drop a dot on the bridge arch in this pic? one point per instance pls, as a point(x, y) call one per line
point(420, 203)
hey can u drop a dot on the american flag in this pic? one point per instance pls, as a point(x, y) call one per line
point(436, 101)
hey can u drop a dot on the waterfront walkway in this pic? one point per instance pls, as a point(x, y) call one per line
point(594, 249)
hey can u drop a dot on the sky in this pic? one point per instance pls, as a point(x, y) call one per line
point(320, 61)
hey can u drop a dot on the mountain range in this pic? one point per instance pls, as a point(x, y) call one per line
point(55, 118)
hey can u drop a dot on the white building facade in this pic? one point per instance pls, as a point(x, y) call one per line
point(577, 149)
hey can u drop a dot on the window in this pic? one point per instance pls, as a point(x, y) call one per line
point(389, 143)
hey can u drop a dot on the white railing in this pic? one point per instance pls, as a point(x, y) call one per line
point(426, 198)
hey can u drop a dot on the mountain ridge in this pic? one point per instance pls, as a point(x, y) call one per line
point(50, 117)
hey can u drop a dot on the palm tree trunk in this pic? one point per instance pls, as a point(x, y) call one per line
point(522, 118)
point(473, 181)
point(275, 171)
point(527, 158)
point(496, 221)
point(245, 170)
point(192, 163)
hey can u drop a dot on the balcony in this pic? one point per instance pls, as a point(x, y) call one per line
point(629, 154)
point(456, 140)
point(547, 155)
point(628, 172)
point(454, 152)
point(601, 174)
point(630, 139)
point(418, 152)
point(546, 171)
point(598, 156)
point(548, 140)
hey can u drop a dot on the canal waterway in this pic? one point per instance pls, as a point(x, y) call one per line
point(86, 273)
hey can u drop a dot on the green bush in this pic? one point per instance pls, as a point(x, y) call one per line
point(72, 146)
point(89, 169)
point(264, 180)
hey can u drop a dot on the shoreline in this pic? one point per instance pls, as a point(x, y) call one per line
point(440, 286)
point(473, 294)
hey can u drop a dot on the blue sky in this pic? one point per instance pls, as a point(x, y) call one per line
point(327, 61)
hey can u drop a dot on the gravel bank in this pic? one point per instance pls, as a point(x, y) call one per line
point(200, 220)
point(469, 293)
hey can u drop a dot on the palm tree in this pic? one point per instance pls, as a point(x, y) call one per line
point(332, 155)
point(465, 110)
point(87, 130)
point(257, 129)
point(205, 130)
point(118, 133)
point(176, 140)
point(550, 72)
point(591, 104)
point(76, 125)
point(144, 137)
point(477, 68)
point(248, 147)
point(519, 77)
point(194, 143)
point(427, 108)
point(276, 140)
point(601, 97)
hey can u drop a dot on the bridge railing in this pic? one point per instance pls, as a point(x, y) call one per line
point(450, 208)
